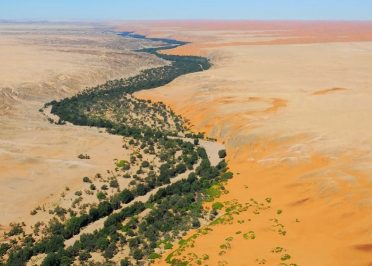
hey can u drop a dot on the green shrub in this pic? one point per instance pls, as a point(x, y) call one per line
point(126, 196)
point(217, 206)
point(227, 175)
point(168, 246)
point(195, 223)
point(137, 254)
point(125, 262)
point(54, 244)
point(154, 256)
point(123, 164)
point(83, 156)
point(101, 195)
point(52, 259)
point(114, 183)
point(145, 164)
point(16, 229)
point(84, 256)
point(222, 154)
point(4, 247)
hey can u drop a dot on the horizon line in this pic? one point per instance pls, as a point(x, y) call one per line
point(180, 20)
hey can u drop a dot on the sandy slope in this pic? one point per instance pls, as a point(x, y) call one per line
point(39, 63)
point(296, 122)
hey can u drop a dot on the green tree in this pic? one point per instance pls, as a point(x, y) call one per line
point(137, 254)
point(222, 154)
point(52, 259)
point(54, 244)
point(84, 256)
point(125, 262)
point(86, 179)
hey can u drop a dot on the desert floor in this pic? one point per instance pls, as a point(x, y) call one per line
point(40, 63)
point(290, 100)
point(294, 109)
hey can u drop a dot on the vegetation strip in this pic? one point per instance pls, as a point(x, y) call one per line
point(134, 231)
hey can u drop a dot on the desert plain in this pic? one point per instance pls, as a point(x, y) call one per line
point(291, 101)
point(49, 61)
point(293, 108)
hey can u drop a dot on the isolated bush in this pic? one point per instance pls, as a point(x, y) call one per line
point(222, 154)
point(145, 164)
point(125, 262)
point(101, 195)
point(86, 179)
point(16, 229)
point(114, 183)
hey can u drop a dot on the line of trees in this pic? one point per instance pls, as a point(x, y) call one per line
point(173, 210)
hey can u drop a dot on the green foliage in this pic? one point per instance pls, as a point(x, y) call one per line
point(213, 192)
point(52, 259)
point(125, 262)
point(84, 156)
point(82, 108)
point(123, 164)
point(173, 209)
point(109, 252)
point(101, 195)
point(195, 223)
point(222, 154)
point(145, 164)
point(180, 168)
point(154, 256)
point(54, 243)
point(137, 254)
point(73, 225)
point(285, 257)
point(20, 256)
point(102, 243)
point(16, 229)
point(250, 235)
point(227, 175)
point(141, 190)
point(168, 246)
point(126, 196)
point(84, 256)
point(217, 205)
point(86, 179)
point(114, 183)
point(4, 247)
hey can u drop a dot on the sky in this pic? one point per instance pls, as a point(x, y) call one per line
point(185, 9)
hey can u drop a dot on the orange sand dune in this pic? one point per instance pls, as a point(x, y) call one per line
point(302, 185)
point(214, 34)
